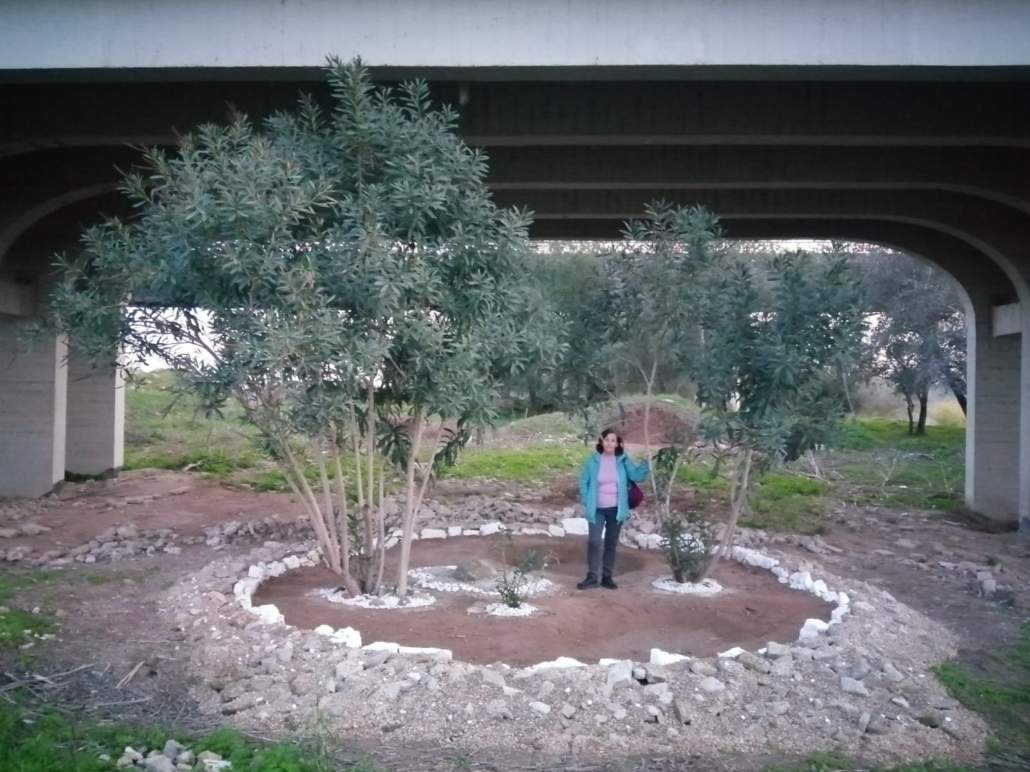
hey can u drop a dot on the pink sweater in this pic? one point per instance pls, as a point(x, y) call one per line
point(607, 483)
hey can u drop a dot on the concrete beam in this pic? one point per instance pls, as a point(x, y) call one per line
point(1007, 319)
point(541, 114)
point(50, 34)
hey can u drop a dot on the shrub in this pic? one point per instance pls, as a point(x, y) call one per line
point(686, 542)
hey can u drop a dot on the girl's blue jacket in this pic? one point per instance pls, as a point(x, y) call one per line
point(627, 469)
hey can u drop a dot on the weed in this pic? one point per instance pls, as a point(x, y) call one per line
point(16, 625)
point(512, 587)
point(56, 743)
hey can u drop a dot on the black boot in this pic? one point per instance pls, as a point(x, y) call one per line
point(609, 584)
point(586, 584)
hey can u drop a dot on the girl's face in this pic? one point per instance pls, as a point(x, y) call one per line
point(610, 443)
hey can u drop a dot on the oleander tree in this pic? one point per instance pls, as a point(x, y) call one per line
point(346, 278)
point(773, 334)
point(656, 287)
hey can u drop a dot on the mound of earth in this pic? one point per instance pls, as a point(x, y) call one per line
point(668, 424)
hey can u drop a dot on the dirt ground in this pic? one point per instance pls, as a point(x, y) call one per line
point(109, 614)
point(589, 625)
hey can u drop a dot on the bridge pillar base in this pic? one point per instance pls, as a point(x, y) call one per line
point(993, 421)
point(33, 405)
point(96, 418)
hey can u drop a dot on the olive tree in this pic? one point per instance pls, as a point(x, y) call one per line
point(349, 281)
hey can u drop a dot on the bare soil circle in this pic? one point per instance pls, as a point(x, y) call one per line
point(588, 625)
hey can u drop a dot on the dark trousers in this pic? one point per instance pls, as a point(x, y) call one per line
point(601, 552)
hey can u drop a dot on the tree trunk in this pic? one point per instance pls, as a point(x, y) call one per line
point(921, 426)
point(648, 398)
point(959, 390)
point(409, 504)
point(910, 408)
point(740, 491)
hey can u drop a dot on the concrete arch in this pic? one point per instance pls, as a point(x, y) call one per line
point(13, 229)
point(986, 226)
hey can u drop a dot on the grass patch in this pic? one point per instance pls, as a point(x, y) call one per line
point(868, 434)
point(998, 688)
point(56, 743)
point(518, 464)
point(880, 464)
point(165, 429)
point(702, 476)
point(12, 582)
point(17, 625)
point(789, 502)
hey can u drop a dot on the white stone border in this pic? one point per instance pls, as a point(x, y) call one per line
point(245, 588)
point(706, 588)
point(426, 579)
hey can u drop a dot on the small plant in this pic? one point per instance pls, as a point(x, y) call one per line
point(687, 542)
point(512, 587)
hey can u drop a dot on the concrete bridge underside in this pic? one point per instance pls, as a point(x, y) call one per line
point(934, 161)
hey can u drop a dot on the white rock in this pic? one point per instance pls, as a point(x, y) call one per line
point(433, 533)
point(577, 526)
point(256, 572)
point(489, 529)
point(344, 636)
point(620, 674)
point(268, 614)
point(276, 568)
point(659, 657)
point(454, 530)
point(712, 685)
point(800, 580)
point(553, 664)
point(540, 707)
point(292, 562)
point(389, 646)
point(556, 530)
point(444, 655)
point(648, 541)
point(812, 628)
point(733, 653)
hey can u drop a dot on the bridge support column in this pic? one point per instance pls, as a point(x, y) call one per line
point(993, 431)
point(1024, 447)
point(96, 418)
point(33, 393)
